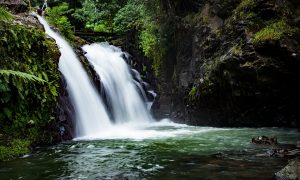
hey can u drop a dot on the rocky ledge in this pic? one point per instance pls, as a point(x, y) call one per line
point(289, 172)
point(16, 6)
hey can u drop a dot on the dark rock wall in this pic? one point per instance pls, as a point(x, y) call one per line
point(221, 72)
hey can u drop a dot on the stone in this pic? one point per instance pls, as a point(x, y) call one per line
point(16, 6)
point(28, 20)
point(265, 140)
point(285, 153)
point(289, 172)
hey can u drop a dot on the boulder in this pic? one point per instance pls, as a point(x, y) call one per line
point(265, 140)
point(289, 172)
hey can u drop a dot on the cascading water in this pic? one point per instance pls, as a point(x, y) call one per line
point(90, 114)
point(127, 107)
point(121, 90)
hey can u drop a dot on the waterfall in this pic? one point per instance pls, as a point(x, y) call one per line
point(124, 95)
point(122, 91)
point(90, 114)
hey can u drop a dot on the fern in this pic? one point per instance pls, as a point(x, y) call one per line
point(4, 14)
point(23, 75)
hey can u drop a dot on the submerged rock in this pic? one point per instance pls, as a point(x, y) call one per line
point(287, 153)
point(265, 140)
point(289, 172)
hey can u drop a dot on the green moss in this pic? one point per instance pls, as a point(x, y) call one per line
point(274, 31)
point(195, 18)
point(236, 49)
point(4, 14)
point(244, 11)
point(245, 5)
point(17, 147)
point(28, 59)
point(193, 93)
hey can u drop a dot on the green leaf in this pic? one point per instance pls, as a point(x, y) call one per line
point(7, 112)
point(53, 90)
point(23, 75)
point(4, 14)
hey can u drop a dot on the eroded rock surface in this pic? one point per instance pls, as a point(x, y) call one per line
point(289, 172)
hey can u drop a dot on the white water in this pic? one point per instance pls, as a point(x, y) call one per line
point(90, 114)
point(131, 116)
point(121, 90)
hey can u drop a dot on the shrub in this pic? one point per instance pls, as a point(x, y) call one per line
point(57, 17)
point(16, 148)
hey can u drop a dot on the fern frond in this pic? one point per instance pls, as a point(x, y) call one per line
point(4, 14)
point(23, 75)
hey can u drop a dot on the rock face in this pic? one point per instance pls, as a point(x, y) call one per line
point(63, 127)
point(289, 172)
point(232, 63)
point(16, 6)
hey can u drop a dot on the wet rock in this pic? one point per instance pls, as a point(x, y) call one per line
point(63, 129)
point(285, 153)
point(16, 6)
point(265, 140)
point(29, 20)
point(289, 172)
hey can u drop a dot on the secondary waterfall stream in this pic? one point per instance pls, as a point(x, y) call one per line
point(92, 119)
point(121, 90)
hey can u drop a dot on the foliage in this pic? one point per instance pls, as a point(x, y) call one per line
point(150, 44)
point(274, 31)
point(26, 76)
point(148, 39)
point(141, 17)
point(16, 147)
point(193, 93)
point(122, 16)
point(99, 12)
point(130, 16)
point(57, 17)
point(4, 14)
point(29, 89)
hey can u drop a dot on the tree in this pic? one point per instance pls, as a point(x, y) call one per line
point(99, 14)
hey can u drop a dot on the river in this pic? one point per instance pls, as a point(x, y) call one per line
point(158, 151)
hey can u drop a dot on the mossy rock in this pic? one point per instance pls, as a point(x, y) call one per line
point(29, 105)
point(16, 148)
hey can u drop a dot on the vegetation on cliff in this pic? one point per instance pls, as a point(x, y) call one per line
point(57, 18)
point(29, 82)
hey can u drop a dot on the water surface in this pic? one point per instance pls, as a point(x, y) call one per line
point(157, 151)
